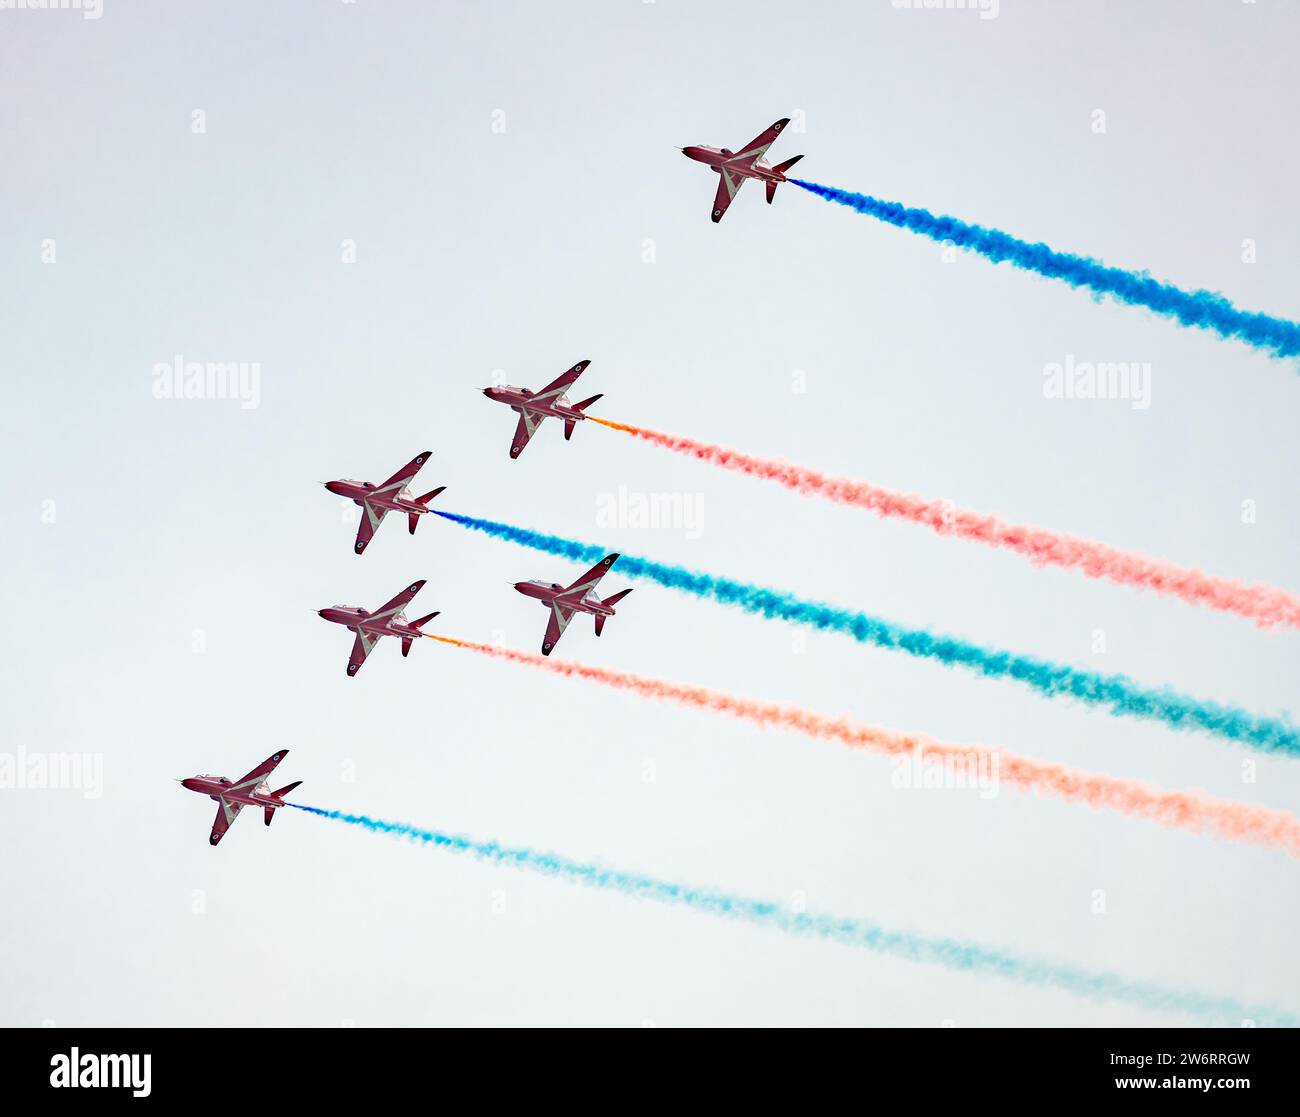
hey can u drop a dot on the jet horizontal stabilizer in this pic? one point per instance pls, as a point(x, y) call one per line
point(614, 599)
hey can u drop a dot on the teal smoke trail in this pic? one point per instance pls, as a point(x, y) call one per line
point(951, 953)
point(1204, 310)
point(1116, 693)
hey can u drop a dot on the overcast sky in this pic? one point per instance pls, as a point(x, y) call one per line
point(386, 206)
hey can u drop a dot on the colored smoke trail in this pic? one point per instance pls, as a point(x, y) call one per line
point(1178, 810)
point(1264, 605)
point(1204, 310)
point(1117, 693)
point(950, 953)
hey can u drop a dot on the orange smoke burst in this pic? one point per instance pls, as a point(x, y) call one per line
point(1180, 810)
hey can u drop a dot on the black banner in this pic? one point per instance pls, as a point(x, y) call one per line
point(330, 1065)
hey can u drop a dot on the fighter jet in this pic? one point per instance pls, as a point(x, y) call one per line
point(392, 496)
point(249, 791)
point(734, 167)
point(565, 601)
point(387, 620)
point(549, 403)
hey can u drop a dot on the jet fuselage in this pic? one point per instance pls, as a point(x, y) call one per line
point(720, 159)
point(523, 399)
point(357, 619)
point(549, 593)
point(363, 493)
point(221, 789)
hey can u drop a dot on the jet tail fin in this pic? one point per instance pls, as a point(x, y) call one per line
point(268, 813)
point(413, 518)
point(407, 641)
point(569, 424)
point(611, 601)
point(780, 168)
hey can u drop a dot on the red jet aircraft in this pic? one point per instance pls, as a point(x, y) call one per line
point(549, 403)
point(391, 496)
point(565, 601)
point(250, 791)
point(387, 620)
point(734, 167)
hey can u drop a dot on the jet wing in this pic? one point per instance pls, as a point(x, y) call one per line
point(397, 604)
point(560, 618)
point(362, 646)
point(371, 518)
point(591, 579)
point(729, 184)
point(402, 477)
point(527, 427)
point(561, 383)
point(758, 146)
point(226, 814)
point(258, 774)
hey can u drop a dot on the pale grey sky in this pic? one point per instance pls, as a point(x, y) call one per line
point(507, 173)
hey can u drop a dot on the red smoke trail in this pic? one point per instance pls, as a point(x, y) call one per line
point(1181, 810)
point(1265, 605)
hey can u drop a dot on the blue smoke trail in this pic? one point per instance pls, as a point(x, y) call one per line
point(1205, 310)
point(1117, 693)
point(951, 953)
